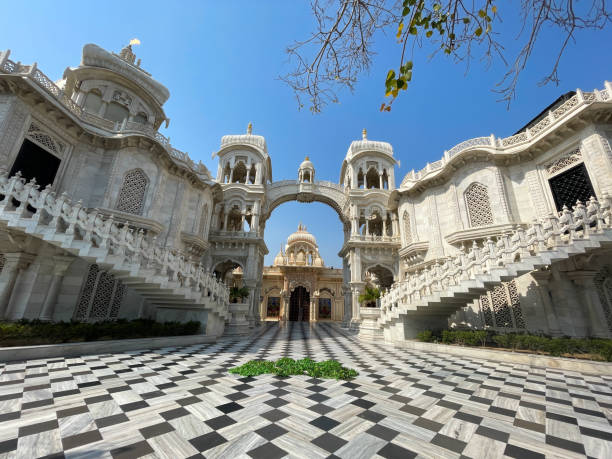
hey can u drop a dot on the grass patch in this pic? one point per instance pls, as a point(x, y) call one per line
point(329, 369)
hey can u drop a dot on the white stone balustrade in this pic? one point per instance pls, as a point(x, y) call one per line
point(539, 238)
point(61, 221)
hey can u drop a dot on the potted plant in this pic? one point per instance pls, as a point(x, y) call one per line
point(238, 293)
point(369, 297)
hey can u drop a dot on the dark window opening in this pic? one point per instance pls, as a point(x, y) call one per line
point(571, 186)
point(35, 162)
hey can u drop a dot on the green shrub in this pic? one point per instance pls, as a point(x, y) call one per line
point(425, 335)
point(24, 331)
point(329, 369)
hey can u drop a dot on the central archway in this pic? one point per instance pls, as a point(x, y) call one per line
point(299, 305)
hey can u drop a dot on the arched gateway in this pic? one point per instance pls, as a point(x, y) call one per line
point(249, 196)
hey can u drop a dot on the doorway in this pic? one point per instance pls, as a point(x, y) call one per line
point(299, 305)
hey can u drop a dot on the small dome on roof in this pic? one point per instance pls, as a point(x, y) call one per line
point(301, 235)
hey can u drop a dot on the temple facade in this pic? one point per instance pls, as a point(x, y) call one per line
point(101, 217)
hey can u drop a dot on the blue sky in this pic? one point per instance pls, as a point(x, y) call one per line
point(221, 62)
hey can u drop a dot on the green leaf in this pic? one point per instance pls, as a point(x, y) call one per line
point(478, 32)
point(466, 20)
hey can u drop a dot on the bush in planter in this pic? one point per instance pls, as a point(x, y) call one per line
point(369, 297)
point(238, 293)
point(425, 335)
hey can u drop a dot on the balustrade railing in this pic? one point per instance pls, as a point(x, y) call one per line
point(556, 230)
point(580, 99)
point(31, 72)
point(89, 229)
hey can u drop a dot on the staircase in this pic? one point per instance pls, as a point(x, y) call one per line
point(164, 276)
point(426, 300)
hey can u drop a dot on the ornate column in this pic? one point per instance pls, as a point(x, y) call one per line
point(543, 278)
point(394, 224)
point(14, 265)
point(384, 224)
point(597, 319)
point(380, 180)
point(61, 264)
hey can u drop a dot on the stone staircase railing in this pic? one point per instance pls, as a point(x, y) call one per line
point(447, 286)
point(163, 275)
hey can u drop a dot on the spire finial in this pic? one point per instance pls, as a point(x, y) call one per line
point(306, 158)
point(250, 128)
point(364, 134)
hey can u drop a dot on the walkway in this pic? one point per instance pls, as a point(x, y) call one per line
point(181, 402)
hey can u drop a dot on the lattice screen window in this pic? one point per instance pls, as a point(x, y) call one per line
point(603, 285)
point(43, 139)
point(501, 308)
point(478, 204)
point(407, 229)
point(100, 298)
point(2, 262)
point(565, 161)
point(132, 193)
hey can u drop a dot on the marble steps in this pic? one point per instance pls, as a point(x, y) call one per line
point(457, 296)
point(156, 288)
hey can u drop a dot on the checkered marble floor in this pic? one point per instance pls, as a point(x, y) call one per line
point(181, 402)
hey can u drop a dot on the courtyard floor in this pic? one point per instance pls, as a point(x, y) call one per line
point(181, 402)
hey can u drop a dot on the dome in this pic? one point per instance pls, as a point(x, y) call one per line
point(301, 235)
point(279, 259)
point(306, 164)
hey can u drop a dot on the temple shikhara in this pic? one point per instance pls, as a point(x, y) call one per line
point(101, 217)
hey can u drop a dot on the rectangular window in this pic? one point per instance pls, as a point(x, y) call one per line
point(324, 308)
point(273, 306)
point(570, 186)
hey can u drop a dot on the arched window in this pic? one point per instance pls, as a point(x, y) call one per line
point(360, 181)
point(478, 205)
point(372, 179)
point(141, 118)
point(240, 173)
point(407, 229)
point(132, 193)
point(116, 112)
point(93, 101)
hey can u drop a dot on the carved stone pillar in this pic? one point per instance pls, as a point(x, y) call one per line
point(543, 278)
point(394, 224)
point(60, 266)
point(597, 320)
point(14, 265)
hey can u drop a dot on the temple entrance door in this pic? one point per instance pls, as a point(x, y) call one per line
point(299, 305)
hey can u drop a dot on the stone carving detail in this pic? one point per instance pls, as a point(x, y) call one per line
point(45, 140)
point(515, 305)
point(535, 191)
point(478, 205)
point(132, 193)
point(486, 310)
point(101, 296)
point(501, 307)
point(407, 229)
point(2, 262)
point(603, 284)
point(122, 98)
point(565, 161)
point(87, 292)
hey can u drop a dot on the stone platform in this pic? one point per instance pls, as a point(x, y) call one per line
point(181, 402)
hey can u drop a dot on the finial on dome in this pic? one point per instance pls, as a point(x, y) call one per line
point(306, 158)
point(250, 128)
point(364, 134)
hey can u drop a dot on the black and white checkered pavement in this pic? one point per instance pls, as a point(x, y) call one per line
point(181, 402)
